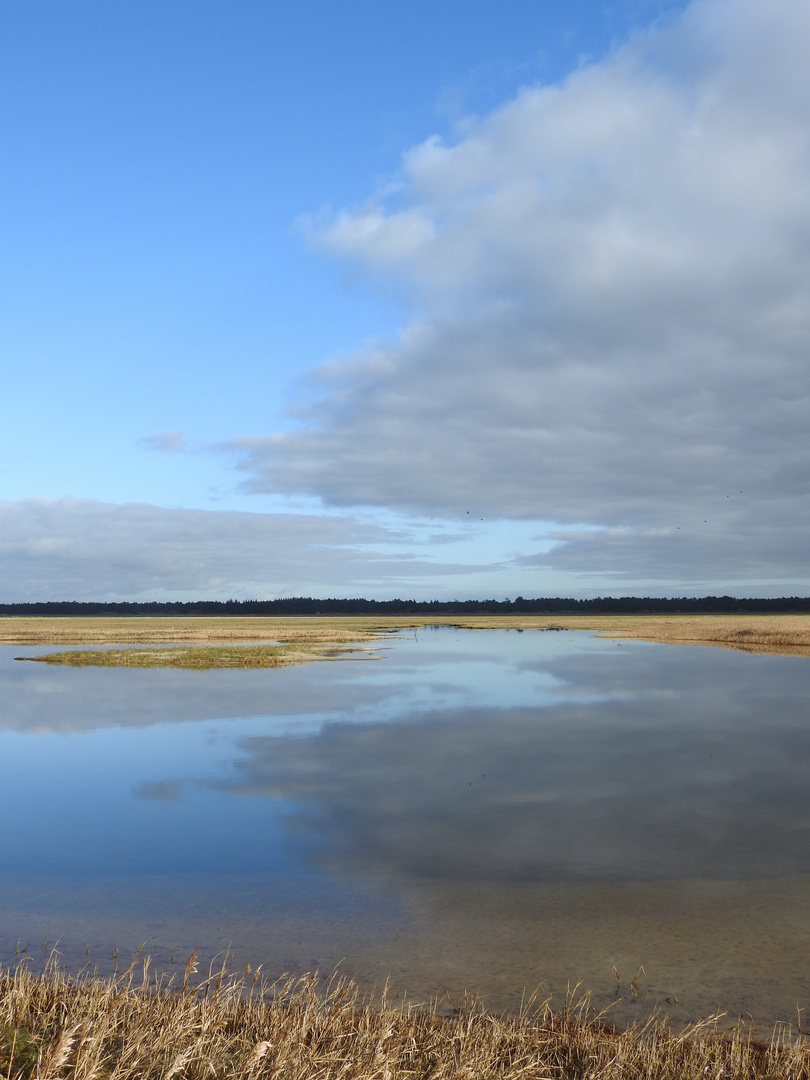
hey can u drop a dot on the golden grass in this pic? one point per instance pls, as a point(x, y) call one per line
point(787, 635)
point(300, 640)
point(197, 643)
point(204, 657)
point(17, 630)
point(132, 1027)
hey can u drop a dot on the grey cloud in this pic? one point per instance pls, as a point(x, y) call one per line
point(609, 282)
point(166, 441)
point(702, 553)
point(722, 542)
point(81, 549)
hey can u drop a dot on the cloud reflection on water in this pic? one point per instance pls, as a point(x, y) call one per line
point(691, 763)
point(457, 668)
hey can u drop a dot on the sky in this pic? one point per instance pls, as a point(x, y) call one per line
point(428, 300)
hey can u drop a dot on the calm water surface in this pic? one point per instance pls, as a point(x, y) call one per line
point(487, 811)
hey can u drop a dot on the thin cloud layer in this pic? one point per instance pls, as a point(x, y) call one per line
point(608, 284)
point(79, 549)
point(173, 442)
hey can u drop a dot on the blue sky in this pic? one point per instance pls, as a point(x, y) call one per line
point(403, 299)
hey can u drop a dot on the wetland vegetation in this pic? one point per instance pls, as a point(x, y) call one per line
point(132, 1027)
point(257, 641)
point(203, 657)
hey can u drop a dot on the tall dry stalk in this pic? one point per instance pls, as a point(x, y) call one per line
point(136, 1027)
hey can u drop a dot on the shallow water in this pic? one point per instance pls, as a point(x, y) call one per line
point(486, 811)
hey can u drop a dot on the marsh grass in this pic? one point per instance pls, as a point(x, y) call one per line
point(190, 630)
point(203, 657)
point(302, 636)
point(784, 635)
point(136, 1027)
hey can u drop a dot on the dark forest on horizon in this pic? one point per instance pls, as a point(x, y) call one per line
point(304, 605)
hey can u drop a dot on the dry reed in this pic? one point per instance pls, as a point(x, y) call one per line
point(188, 630)
point(134, 1027)
point(204, 657)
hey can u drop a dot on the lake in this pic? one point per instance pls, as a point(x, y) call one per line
point(489, 811)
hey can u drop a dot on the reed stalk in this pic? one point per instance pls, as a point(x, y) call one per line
point(136, 1027)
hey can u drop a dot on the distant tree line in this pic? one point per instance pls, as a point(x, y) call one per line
point(305, 605)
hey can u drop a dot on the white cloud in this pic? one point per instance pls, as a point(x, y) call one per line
point(80, 549)
point(608, 281)
point(380, 238)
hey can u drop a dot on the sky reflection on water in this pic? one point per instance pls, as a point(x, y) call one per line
point(474, 809)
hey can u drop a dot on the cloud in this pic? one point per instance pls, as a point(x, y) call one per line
point(725, 549)
point(166, 441)
point(80, 549)
point(607, 282)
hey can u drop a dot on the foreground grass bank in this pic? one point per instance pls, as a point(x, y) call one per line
point(131, 1028)
point(202, 642)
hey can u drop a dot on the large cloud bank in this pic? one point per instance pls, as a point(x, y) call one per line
point(607, 282)
point(81, 549)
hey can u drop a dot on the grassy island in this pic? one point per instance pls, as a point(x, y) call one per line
point(203, 657)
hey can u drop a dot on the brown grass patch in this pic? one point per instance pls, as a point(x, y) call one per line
point(132, 1027)
point(16, 630)
point(202, 658)
point(786, 635)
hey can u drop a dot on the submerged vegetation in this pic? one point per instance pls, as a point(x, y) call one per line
point(133, 1027)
